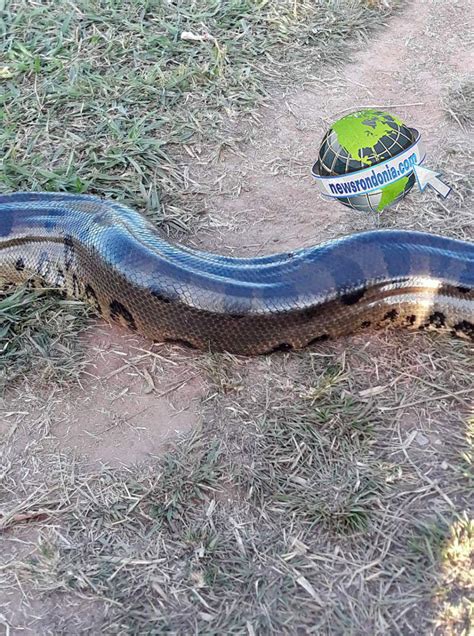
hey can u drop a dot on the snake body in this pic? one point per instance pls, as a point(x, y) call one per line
point(112, 257)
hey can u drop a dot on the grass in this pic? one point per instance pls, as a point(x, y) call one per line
point(324, 492)
point(108, 101)
point(459, 102)
point(39, 332)
point(286, 514)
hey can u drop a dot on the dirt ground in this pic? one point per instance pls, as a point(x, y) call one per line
point(135, 397)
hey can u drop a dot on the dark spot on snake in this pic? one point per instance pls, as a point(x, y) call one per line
point(92, 298)
point(464, 327)
point(68, 251)
point(391, 315)
point(75, 286)
point(437, 319)
point(160, 297)
point(19, 264)
point(366, 324)
point(90, 293)
point(60, 280)
point(117, 311)
point(321, 338)
point(352, 297)
point(463, 290)
point(311, 312)
point(411, 319)
point(284, 346)
point(182, 343)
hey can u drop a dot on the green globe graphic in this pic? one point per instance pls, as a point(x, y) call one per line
point(360, 140)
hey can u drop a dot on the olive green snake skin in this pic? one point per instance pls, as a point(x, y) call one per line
point(113, 258)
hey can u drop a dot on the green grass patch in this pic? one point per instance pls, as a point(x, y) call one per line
point(103, 97)
point(38, 331)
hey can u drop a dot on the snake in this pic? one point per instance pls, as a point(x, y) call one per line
point(112, 257)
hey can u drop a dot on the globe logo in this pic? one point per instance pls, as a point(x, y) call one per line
point(367, 160)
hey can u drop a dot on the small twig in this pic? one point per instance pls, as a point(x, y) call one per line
point(7, 520)
point(428, 399)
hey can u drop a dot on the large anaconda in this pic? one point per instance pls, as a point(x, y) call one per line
point(112, 257)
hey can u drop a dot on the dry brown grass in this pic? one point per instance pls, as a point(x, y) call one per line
point(313, 497)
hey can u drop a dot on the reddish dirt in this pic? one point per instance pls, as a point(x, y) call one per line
point(125, 411)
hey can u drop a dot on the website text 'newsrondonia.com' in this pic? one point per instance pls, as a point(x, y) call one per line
point(372, 178)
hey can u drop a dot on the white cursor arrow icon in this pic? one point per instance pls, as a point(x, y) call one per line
point(426, 177)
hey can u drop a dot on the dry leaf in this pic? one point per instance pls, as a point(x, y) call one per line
point(193, 37)
point(306, 585)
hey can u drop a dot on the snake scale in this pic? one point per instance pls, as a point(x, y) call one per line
point(112, 257)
